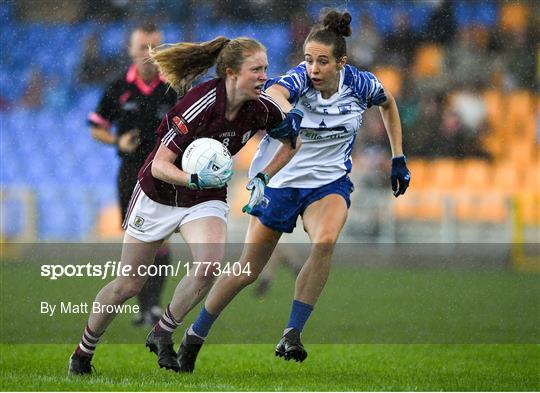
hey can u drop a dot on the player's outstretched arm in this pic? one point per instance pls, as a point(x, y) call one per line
point(281, 95)
point(283, 155)
point(392, 123)
point(103, 135)
point(400, 176)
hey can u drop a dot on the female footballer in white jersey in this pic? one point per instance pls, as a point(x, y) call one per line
point(331, 96)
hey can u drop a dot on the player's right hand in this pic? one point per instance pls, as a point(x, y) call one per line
point(129, 141)
point(289, 127)
point(256, 186)
point(208, 178)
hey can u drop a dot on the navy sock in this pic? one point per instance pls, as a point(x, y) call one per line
point(299, 315)
point(204, 322)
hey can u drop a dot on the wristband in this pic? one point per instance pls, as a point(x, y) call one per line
point(194, 182)
point(264, 177)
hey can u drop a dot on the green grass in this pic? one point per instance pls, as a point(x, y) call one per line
point(373, 329)
point(368, 305)
point(253, 367)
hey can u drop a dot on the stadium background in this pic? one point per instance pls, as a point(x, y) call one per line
point(465, 75)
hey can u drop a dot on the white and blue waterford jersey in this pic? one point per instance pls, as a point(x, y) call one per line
point(328, 130)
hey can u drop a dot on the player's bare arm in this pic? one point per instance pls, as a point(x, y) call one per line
point(392, 123)
point(283, 155)
point(127, 142)
point(103, 135)
point(281, 95)
point(163, 167)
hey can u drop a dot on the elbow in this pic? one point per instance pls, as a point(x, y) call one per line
point(389, 103)
point(155, 169)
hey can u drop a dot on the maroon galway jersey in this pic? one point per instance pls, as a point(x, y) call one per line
point(201, 114)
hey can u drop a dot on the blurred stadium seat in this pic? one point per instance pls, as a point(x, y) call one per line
point(479, 206)
point(428, 61)
point(419, 168)
point(420, 205)
point(513, 16)
point(109, 222)
point(445, 175)
point(73, 177)
point(391, 79)
point(476, 175)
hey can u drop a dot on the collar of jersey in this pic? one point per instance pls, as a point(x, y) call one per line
point(132, 76)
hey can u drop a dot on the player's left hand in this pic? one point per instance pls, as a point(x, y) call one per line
point(401, 176)
point(256, 186)
point(208, 178)
point(289, 127)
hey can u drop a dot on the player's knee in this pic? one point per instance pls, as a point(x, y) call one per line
point(206, 273)
point(246, 279)
point(126, 289)
point(326, 238)
point(324, 245)
point(205, 279)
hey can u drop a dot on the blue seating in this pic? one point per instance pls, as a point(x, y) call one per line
point(65, 213)
point(481, 13)
point(172, 33)
point(114, 39)
point(12, 217)
point(51, 150)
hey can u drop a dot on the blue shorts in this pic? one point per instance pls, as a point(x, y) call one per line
point(281, 207)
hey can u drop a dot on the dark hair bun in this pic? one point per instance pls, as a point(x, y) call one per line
point(339, 23)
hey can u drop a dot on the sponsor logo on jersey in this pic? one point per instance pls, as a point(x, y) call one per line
point(306, 104)
point(327, 134)
point(180, 125)
point(246, 136)
point(344, 109)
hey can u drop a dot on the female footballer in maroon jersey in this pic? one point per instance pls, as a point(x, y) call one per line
point(231, 109)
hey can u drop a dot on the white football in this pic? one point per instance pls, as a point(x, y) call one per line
point(200, 151)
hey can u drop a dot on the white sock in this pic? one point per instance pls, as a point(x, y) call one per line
point(191, 332)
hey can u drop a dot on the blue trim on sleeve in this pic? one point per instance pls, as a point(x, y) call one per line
point(296, 81)
point(365, 85)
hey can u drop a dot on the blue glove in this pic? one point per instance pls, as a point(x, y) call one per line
point(289, 127)
point(208, 178)
point(401, 174)
point(256, 186)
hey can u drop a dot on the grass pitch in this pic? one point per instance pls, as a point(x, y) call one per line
point(374, 329)
point(221, 367)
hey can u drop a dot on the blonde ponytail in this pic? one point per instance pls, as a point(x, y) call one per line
point(184, 62)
